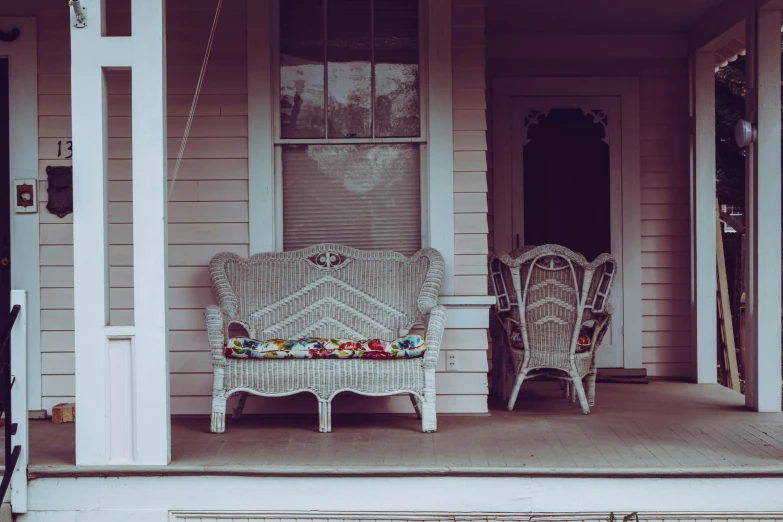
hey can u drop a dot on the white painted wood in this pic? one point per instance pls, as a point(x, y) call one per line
point(19, 402)
point(91, 252)
point(507, 495)
point(763, 210)
point(261, 154)
point(23, 119)
point(388, 516)
point(631, 260)
point(90, 238)
point(120, 391)
point(585, 46)
point(151, 420)
point(440, 146)
point(704, 315)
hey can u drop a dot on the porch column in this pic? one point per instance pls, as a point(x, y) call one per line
point(121, 371)
point(150, 233)
point(763, 210)
point(704, 316)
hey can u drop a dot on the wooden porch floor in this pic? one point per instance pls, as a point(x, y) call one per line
point(658, 429)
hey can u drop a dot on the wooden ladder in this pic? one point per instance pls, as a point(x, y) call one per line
point(725, 327)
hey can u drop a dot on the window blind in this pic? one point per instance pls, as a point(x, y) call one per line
point(364, 196)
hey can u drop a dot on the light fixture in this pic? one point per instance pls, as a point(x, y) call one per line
point(79, 14)
point(744, 133)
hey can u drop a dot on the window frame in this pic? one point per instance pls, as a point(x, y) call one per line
point(436, 138)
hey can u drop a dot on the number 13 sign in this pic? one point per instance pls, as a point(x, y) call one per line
point(64, 149)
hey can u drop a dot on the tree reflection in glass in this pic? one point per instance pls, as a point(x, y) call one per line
point(397, 112)
point(302, 69)
point(348, 28)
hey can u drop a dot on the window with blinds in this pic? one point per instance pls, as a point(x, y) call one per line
point(350, 126)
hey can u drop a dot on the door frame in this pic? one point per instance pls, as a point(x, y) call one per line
point(627, 89)
point(22, 55)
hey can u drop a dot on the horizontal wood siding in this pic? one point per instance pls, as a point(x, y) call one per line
point(664, 196)
point(208, 209)
point(471, 227)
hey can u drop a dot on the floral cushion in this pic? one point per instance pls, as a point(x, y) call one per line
point(583, 342)
point(316, 348)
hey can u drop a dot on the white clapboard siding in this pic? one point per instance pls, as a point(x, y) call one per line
point(208, 209)
point(470, 148)
point(664, 197)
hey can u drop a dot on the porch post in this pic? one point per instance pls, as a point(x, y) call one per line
point(150, 239)
point(704, 317)
point(121, 371)
point(90, 229)
point(763, 210)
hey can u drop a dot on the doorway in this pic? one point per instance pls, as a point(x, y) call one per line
point(566, 185)
point(566, 171)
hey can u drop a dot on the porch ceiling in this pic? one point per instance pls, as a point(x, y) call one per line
point(595, 17)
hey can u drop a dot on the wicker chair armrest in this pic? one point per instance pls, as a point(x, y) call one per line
point(436, 325)
point(216, 332)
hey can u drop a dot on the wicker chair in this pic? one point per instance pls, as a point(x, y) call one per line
point(566, 314)
point(333, 292)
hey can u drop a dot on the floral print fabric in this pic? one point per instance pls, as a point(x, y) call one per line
point(316, 348)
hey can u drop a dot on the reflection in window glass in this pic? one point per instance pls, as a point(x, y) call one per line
point(302, 69)
point(349, 55)
point(364, 196)
point(397, 112)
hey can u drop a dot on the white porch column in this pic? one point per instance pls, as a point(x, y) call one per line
point(121, 371)
point(763, 210)
point(704, 316)
point(150, 239)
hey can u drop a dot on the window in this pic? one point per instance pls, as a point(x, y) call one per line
point(349, 140)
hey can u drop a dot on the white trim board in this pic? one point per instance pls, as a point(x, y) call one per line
point(585, 46)
point(704, 287)
point(117, 496)
point(22, 56)
point(627, 89)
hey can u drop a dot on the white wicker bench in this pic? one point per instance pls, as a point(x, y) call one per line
point(328, 291)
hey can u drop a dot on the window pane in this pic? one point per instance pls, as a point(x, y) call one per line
point(302, 111)
point(349, 54)
point(364, 196)
point(397, 107)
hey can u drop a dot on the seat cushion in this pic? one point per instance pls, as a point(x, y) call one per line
point(316, 348)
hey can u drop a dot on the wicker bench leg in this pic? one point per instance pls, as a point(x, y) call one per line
point(240, 406)
point(515, 392)
point(429, 415)
point(416, 405)
point(590, 388)
point(325, 416)
point(576, 383)
point(218, 415)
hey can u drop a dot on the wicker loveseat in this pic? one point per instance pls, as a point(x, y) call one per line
point(319, 298)
point(555, 310)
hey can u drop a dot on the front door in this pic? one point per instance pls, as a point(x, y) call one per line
point(5, 198)
point(566, 185)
